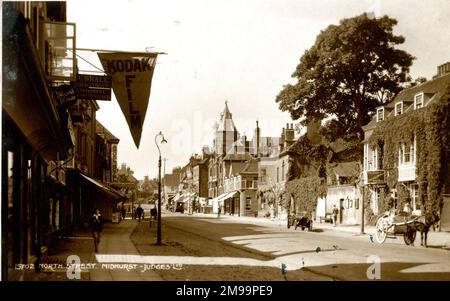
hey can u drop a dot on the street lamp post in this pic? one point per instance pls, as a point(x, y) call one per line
point(158, 233)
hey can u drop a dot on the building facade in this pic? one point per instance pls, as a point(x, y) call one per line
point(406, 151)
point(34, 147)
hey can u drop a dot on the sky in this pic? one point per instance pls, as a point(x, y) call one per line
point(242, 51)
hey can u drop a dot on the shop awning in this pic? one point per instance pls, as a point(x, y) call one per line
point(25, 91)
point(231, 194)
point(177, 197)
point(111, 192)
point(220, 198)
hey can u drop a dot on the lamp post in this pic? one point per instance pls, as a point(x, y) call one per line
point(158, 233)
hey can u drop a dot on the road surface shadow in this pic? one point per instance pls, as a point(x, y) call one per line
point(441, 247)
point(311, 251)
point(401, 271)
point(317, 230)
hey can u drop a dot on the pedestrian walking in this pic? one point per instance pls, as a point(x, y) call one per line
point(123, 212)
point(97, 222)
point(335, 215)
point(139, 212)
point(218, 211)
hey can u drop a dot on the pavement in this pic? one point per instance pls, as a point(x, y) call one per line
point(115, 240)
point(434, 237)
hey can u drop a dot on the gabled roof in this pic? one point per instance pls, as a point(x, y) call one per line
point(251, 166)
point(237, 157)
point(172, 180)
point(234, 168)
point(347, 169)
point(433, 89)
point(101, 130)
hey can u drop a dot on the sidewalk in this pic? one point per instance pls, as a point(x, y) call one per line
point(435, 238)
point(115, 240)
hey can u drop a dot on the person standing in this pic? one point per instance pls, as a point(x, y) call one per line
point(123, 212)
point(97, 223)
point(139, 212)
point(335, 215)
point(219, 210)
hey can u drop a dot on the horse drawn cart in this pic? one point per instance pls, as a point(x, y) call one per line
point(392, 225)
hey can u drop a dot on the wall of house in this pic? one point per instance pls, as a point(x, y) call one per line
point(203, 178)
point(253, 209)
point(348, 199)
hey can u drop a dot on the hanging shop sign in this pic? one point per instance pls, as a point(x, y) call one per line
point(131, 82)
point(95, 87)
point(65, 95)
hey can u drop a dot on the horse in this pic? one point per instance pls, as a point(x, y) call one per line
point(423, 224)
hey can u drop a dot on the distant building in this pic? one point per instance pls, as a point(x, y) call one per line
point(241, 190)
point(273, 172)
point(105, 165)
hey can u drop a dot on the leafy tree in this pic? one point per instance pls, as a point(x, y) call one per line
point(176, 170)
point(352, 68)
point(417, 81)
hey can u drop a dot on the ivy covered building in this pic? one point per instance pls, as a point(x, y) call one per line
point(407, 152)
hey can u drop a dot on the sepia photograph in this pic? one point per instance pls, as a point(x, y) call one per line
point(225, 141)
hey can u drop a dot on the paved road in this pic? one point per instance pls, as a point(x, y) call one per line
point(336, 255)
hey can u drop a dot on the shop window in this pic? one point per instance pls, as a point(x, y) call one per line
point(248, 203)
point(10, 241)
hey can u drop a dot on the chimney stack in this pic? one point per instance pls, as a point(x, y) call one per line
point(443, 69)
point(257, 139)
point(289, 135)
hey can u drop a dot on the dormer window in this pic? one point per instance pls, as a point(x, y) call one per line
point(418, 101)
point(398, 108)
point(380, 114)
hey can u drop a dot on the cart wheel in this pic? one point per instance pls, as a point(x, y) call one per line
point(409, 236)
point(381, 230)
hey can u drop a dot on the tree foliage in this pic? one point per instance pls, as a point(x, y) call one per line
point(352, 68)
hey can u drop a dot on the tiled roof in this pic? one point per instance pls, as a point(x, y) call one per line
point(433, 89)
point(433, 86)
point(172, 180)
point(348, 169)
point(237, 157)
point(250, 167)
point(102, 130)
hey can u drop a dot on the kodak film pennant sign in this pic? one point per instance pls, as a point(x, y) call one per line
point(131, 82)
